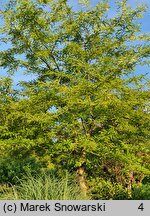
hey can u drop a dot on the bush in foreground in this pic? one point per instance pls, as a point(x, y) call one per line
point(141, 192)
point(102, 189)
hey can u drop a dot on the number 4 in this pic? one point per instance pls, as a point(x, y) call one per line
point(141, 207)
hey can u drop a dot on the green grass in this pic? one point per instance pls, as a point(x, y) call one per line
point(50, 187)
point(43, 187)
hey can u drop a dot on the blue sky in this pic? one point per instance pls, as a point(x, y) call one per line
point(145, 27)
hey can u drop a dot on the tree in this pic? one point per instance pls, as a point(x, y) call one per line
point(18, 142)
point(88, 101)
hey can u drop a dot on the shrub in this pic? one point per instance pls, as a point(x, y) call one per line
point(141, 192)
point(102, 189)
point(11, 170)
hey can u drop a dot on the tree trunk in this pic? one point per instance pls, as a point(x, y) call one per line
point(82, 180)
point(131, 181)
point(81, 177)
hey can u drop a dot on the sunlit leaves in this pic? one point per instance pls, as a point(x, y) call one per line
point(86, 98)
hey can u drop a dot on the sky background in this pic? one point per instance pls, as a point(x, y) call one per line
point(145, 27)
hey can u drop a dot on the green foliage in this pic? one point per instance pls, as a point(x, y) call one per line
point(141, 192)
point(12, 169)
point(86, 107)
point(146, 180)
point(102, 189)
point(44, 187)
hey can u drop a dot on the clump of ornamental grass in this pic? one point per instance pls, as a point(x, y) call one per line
point(44, 187)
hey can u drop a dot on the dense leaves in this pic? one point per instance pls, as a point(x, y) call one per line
point(86, 109)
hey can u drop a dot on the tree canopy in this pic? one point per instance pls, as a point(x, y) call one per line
point(87, 110)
